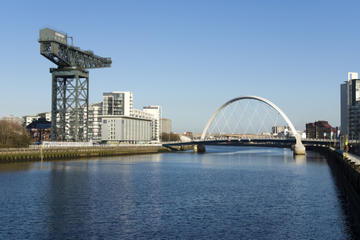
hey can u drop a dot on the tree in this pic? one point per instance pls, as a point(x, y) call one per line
point(169, 137)
point(12, 134)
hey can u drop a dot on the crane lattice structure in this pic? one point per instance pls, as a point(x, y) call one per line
point(70, 85)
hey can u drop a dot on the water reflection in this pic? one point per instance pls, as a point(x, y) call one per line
point(12, 167)
point(300, 159)
point(226, 193)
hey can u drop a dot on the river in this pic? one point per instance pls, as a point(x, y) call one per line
point(226, 193)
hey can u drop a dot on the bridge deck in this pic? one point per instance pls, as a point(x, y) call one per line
point(258, 141)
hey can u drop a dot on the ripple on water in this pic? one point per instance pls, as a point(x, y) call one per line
point(227, 193)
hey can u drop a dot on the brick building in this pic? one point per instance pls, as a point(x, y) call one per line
point(39, 130)
point(320, 130)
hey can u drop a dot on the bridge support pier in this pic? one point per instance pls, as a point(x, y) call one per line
point(299, 149)
point(199, 148)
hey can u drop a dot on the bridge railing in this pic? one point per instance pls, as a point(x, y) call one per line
point(270, 138)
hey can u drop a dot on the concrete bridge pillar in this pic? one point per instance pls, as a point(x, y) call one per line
point(199, 148)
point(299, 148)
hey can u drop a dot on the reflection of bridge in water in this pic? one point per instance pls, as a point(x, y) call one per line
point(295, 142)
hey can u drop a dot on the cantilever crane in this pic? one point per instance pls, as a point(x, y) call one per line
point(70, 85)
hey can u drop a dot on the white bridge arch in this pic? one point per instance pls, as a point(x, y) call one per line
point(299, 147)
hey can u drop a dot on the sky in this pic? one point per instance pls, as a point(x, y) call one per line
point(190, 57)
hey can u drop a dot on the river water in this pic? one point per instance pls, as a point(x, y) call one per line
point(226, 193)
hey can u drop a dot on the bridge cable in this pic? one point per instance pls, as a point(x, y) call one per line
point(239, 121)
point(250, 120)
point(263, 120)
point(216, 125)
point(227, 125)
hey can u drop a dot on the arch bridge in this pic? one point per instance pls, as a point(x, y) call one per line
point(296, 143)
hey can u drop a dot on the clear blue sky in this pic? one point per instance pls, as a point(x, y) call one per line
point(189, 56)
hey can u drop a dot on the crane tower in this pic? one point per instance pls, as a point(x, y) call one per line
point(70, 84)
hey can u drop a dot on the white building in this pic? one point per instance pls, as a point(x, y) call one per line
point(155, 111)
point(136, 113)
point(125, 129)
point(279, 130)
point(94, 121)
point(350, 106)
point(46, 115)
point(117, 103)
point(122, 123)
point(69, 131)
point(29, 119)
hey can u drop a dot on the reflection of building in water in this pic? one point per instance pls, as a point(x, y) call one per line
point(156, 157)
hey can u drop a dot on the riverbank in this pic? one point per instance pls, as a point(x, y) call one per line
point(346, 171)
point(48, 154)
